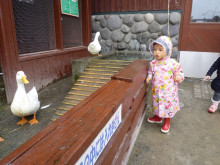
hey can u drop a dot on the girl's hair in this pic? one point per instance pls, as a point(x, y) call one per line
point(155, 43)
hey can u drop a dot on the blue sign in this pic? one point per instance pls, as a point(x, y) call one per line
point(95, 149)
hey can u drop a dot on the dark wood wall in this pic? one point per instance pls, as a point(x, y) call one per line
point(100, 6)
point(41, 68)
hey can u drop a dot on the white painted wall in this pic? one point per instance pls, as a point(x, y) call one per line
point(197, 64)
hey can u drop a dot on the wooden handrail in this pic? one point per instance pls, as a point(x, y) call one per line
point(66, 139)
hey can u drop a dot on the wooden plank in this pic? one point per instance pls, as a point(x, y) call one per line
point(130, 99)
point(86, 22)
point(125, 5)
point(155, 5)
point(196, 34)
point(66, 139)
point(107, 5)
point(112, 149)
point(139, 112)
point(163, 5)
point(9, 50)
point(94, 7)
point(67, 65)
point(172, 4)
point(75, 134)
point(102, 6)
point(118, 5)
point(149, 5)
point(138, 81)
point(137, 100)
point(193, 35)
point(54, 68)
point(135, 5)
point(71, 121)
point(131, 70)
point(48, 130)
point(42, 134)
point(108, 154)
point(125, 145)
point(88, 126)
point(182, 5)
point(113, 8)
point(143, 5)
point(28, 70)
point(45, 72)
point(131, 5)
point(38, 75)
point(176, 4)
point(58, 25)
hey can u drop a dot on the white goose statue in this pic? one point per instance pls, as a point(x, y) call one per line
point(25, 104)
point(95, 47)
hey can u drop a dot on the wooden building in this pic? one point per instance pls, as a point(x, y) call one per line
point(199, 30)
point(37, 38)
point(77, 128)
point(191, 33)
point(43, 42)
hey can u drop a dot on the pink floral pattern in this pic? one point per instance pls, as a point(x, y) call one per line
point(164, 88)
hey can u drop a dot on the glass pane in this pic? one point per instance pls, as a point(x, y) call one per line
point(205, 11)
point(34, 24)
point(72, 29)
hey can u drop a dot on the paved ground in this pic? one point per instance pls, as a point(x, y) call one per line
point(15, 135)
point(194, 137)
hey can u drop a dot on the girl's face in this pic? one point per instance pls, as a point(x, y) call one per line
point(159, 52)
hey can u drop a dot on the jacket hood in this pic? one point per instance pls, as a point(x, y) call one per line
point(165, 42)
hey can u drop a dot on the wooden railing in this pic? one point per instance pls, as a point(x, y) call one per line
point(68, 138)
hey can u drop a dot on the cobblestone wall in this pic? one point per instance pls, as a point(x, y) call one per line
point(134, 32)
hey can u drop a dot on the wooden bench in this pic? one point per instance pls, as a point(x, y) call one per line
point(67, 139)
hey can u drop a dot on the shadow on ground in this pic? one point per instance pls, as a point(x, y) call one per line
point(15, 135)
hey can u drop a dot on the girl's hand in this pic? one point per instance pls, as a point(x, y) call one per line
point(147, 80)
point(206, 77)
point(177, 78)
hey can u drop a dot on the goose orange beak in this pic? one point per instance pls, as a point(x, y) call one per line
point(25, 80)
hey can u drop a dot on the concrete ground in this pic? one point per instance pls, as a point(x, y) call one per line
point(194, 137)
point(15, 135)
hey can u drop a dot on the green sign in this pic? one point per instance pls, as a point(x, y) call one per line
point(70, 7)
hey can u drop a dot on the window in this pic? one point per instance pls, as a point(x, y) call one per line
point(71, 29)
point(34, 25)
point(205, 11)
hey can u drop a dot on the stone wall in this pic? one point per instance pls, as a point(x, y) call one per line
point(134, 32)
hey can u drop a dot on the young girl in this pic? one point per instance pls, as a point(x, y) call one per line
point(215, 85)
point(165, 73)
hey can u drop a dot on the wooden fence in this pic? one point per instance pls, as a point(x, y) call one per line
point(100, 6)
point(66, 139)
